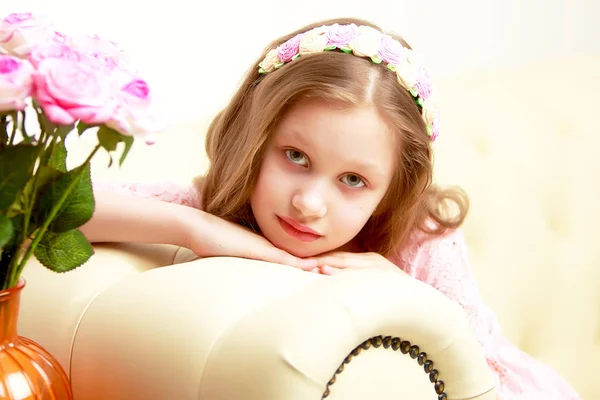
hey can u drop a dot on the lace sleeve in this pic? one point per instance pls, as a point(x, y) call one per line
point(164, 191)
point(443, 263)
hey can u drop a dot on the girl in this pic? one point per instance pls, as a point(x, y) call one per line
point(323, 161)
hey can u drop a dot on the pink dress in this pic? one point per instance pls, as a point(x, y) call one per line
point(443, 263)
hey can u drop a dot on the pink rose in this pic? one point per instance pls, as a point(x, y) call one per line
point(423, 84)
point(106, 53)
point(391, 51)
point(341, 35)
point(289, 49)
point(68, 91)
point(16, 83)
point(133, 116)
point(55, 50)
point(19, 33)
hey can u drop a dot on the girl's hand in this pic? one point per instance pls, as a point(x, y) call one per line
point(126, 218)
point(208, 235)
point(334, 262)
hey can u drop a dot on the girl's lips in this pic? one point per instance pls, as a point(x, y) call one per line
point(302, 228)
point(296, 233)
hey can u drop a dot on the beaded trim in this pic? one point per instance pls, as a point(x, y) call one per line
point(366, 42)
point(405, 347)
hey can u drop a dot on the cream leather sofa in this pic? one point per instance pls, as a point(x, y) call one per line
point(521, 142)
point(229, 329)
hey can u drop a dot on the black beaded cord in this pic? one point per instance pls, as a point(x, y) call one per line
point(405, 347)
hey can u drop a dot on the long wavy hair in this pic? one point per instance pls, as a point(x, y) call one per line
point(239, 135)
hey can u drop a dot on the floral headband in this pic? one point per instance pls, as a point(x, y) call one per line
point(363, 41)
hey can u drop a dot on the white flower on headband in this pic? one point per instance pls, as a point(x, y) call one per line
point(407, 74)
point(367, 43)
point(364, 41)
point(313, 41)
point(268, 64)
point(429, 112)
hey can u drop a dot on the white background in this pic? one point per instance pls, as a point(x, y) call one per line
point(194, 53)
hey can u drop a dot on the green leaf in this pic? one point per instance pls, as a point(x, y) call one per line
point(45, 175)
point(79, 206)
point(376, 59)
point(108, 138)
point(128, 140)
point(58, 158)
point(82, 127)
point(3, 129)
point(63, 130)
point(16, 164)
point(18, 223)
point(46, 125)
point(62, 252)
point(6, 230)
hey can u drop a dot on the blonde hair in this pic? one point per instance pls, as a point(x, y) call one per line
point(238, 136)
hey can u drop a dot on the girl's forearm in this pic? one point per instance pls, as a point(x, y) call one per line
point(122, 218)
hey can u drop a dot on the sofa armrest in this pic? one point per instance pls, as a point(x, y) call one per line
point(52, 304)
point(228, 328)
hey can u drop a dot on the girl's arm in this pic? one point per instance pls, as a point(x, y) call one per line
point(124, 218)
point(120, 217)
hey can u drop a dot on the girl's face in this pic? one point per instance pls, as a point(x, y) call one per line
point(322, 176)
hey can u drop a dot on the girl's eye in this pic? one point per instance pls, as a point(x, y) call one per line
point(354, 181)
point(297, 157)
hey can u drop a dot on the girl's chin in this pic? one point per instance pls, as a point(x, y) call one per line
point(310, 251)
point(300, 250)
point(303, 252)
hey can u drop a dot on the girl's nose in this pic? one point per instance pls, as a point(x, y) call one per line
point(310, 203)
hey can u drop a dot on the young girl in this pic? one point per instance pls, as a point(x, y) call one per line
point(323, 161)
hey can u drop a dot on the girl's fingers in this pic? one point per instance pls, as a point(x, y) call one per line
point(341, 262)
point(328, 270)
point(282, 257)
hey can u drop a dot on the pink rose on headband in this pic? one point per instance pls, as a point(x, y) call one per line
point(133, 116)
point(289, 49)
point(70, 90)
point(313, 41)
point(423, 84)
point(16, 83)
point(367, 42)
point(341, 35)
point(391, 51)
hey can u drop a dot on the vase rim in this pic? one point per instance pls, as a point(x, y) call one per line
point(17, 288)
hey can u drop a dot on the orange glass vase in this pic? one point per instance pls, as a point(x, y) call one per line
point(27, 371)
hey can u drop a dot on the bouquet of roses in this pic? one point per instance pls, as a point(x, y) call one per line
point(65, 85)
